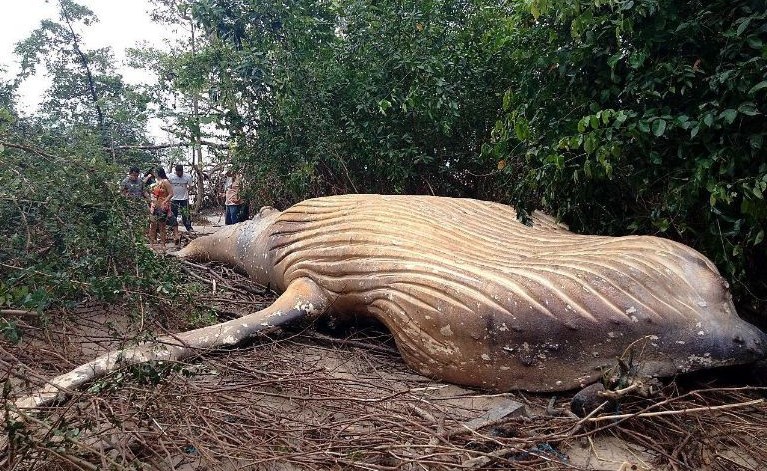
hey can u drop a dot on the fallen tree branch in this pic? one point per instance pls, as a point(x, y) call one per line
point(26, 149)
point(675, 412)
point(18, 312)
point(169, 146)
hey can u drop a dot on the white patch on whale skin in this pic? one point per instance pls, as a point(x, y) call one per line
point(486, 357)
point(705, 361)
point(446, 331)
point(307, 307)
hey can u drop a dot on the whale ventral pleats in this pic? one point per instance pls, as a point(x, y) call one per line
point(460, 282)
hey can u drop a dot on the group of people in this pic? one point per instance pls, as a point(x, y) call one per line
point(168, 198)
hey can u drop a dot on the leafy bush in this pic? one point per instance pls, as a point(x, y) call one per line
point(645, 116)
point(356, 96)
point(68, 234)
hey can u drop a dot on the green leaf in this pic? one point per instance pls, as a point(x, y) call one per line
point(521, 130)
point(755, 42)
point(662, 224)
point(536, 12)
point(594, 121)
point(383, 105)
point(729, 115)
point(636, 60)
point(695, 130)
point(590, 144)
point(507, 101)
point(759, 86)
point(742, 27)
point(759, 237)
point(659, 127)
point(708, 120)
point(748, 109)
point(612, 60)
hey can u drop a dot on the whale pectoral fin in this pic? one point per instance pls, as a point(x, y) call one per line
point(302, 299)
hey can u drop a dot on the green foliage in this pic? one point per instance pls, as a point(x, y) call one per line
point(10, 331)
point(355, 96)
point(151, 373)
point(68, 234)
point(88, 101)
point(645, 116)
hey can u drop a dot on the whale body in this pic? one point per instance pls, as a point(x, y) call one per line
point(475, 297)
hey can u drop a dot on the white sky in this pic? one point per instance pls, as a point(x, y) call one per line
point(122, 24)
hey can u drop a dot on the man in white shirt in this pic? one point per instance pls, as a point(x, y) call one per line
point(180, 200)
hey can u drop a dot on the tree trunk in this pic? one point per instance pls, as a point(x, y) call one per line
point(197, 153)
point(106, 141)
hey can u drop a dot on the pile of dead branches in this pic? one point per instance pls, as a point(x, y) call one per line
point(305, 399)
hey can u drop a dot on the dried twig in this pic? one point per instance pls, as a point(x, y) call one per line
point(690, 410)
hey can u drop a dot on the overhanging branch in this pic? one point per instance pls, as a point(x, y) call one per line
point(169, 146)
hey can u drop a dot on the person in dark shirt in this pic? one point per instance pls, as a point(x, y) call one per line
point(132, 186)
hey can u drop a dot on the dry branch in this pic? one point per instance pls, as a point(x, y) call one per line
point(18, 312)
point(169, 146)
point(690, 410)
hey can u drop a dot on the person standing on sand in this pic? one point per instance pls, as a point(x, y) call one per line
point(180, 201)
point(233, 202)
point(160, 212)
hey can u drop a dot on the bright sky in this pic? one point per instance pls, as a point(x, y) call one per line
point(122, 24)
